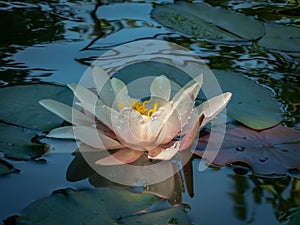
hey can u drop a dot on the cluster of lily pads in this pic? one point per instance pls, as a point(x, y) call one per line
point(203, 21)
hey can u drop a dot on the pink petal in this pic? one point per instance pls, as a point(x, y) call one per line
point(122, 156)
point(191, 134)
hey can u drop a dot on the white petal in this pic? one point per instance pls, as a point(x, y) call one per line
point(185, 102)
point(95, 138)
point(192, 134)
point(100, 78)
point(83, 94)
point(197, 80)
point(62, 132)
point(171, 125)
point(121, 94)
point(168, 153)
point(130, 126)
point(103, 86)
point(66, 112)
point(161, 88)
point(212, 107)
point(101, 112)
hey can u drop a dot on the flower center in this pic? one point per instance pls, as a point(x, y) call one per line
point(140, 107)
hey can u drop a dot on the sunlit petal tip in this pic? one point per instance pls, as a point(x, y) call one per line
point(227, 96)
point(212, 107)
point(58, 108)
point(62, 133)
point(161, 87)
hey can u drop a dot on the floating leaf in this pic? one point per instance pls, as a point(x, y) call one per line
point(251, 104)
point(6, 168)
point(16, 143)
point(20, 105)
point(203, 21)
point(270, 151)
point(98, 206)
point(280, 37)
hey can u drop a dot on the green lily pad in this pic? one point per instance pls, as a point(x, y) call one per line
point(6, 168)
point(98, 206)
point(203, 21)
point(280, 37)
point(20, 105)
point(251, 104)
point(270, 151)
point(15, 143)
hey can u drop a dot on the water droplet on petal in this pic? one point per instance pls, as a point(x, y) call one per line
point(240, 149)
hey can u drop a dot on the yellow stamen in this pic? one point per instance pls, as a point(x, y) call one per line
point(152, 111)
point(120, 105)
point(128, 104)
point(138, 106)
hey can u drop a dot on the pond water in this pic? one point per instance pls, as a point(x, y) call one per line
point(53, 42)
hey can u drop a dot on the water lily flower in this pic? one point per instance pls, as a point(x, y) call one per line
point(110, 120)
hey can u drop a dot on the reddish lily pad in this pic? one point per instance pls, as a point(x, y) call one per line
point(270, 151)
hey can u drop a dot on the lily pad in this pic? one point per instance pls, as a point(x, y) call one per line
point(21, 106)
point(98, 206)
point(280, 37)
point(270, 151)
point(251, 104)
point(205, 22)
point(15, 143)
point(6, 168)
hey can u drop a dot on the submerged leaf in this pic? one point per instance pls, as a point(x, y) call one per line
point(270, 151)
point(20, 105)
point(203, 21)
point(16, 143)
point(97, 206)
